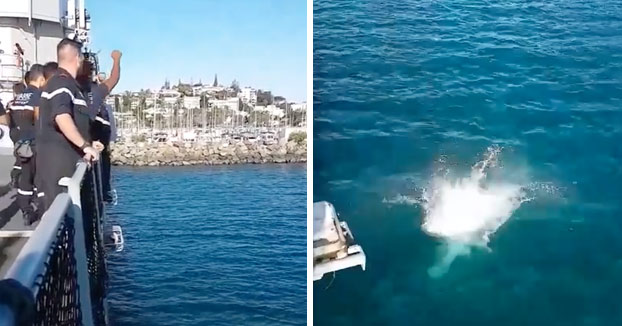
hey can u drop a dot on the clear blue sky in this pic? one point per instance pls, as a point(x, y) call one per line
point(261, 43)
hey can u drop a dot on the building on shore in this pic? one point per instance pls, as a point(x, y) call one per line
point(150, 101)
point(248, 95)
point(273, 110)
point(299, 106)
point(192, 102)
point(231, 104)
point(169, 93)
point(111, 100)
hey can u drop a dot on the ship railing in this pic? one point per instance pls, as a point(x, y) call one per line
point(10, 68)
point(62, 265)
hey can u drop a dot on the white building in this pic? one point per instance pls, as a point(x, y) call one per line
point(273, 110)
point(169, 93)
point(150, 101)
point(231, 104)
point(170, 100)
point(248, 95)
point(198, 90)
point(36, 26)
point(192, 102)
point(299, 106)
point(134, 103)
point(110, 100)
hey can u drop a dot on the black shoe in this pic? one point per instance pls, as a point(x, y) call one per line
point(30, 217)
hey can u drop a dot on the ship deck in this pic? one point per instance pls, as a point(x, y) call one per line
point(13, 233)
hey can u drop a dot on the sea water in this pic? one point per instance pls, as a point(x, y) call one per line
point(221, 245)
point(473, 147)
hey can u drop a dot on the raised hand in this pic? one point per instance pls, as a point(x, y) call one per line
point(116, 55)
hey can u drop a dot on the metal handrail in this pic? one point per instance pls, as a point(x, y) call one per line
point(32, 259)
point(8, 62)
point(73, 185)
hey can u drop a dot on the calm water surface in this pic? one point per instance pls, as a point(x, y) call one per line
point(210, 246)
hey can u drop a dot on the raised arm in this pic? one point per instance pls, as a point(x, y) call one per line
point(115, 74)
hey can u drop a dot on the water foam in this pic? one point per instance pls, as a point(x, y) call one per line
point(466, 211)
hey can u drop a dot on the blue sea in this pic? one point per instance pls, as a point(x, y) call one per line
point(475, 150)
point(223, 245)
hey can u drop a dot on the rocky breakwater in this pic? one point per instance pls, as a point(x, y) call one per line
point(178, 154)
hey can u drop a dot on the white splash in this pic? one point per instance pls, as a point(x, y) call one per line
point(466, 211)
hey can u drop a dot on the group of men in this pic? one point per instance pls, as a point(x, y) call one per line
point(57, 118)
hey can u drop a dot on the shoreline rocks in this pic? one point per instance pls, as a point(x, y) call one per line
point(185, 154)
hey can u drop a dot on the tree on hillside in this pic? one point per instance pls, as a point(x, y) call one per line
point(235, 86)
point(185, 89)
point(264, 98)
point(127, 101)
point(246, 108)
point(203, 101)
point(221, 95)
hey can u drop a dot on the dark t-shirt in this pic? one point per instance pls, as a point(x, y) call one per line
point(96, 97)
point(2, 111)
point(61, 95)
point(22, 112)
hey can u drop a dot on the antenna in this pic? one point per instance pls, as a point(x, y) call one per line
point(78, 21)
point(71, 13)
point(82, 15)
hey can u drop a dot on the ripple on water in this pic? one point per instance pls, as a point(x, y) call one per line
point(210, 246)
point(400, 84)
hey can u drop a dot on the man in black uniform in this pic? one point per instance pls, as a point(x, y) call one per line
point(3, 118)
point(24, 111)
point(100, 128)
point(18, 88)
point(49, 69)
point(64, 118)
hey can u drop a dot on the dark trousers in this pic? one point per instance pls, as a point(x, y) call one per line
point(25, 191)
point(106, 171)
point(52, 164)
point(17, 166)
point(102, 133)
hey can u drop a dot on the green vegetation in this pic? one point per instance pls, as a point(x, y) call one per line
point(140, 138)
point(298, 137)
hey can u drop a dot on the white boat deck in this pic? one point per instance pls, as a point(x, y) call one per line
point(333, 243)
point(13, 233)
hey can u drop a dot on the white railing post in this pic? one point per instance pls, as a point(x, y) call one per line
point(73, 188)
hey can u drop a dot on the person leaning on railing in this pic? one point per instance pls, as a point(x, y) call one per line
point(64, 119)
point(101, 127)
